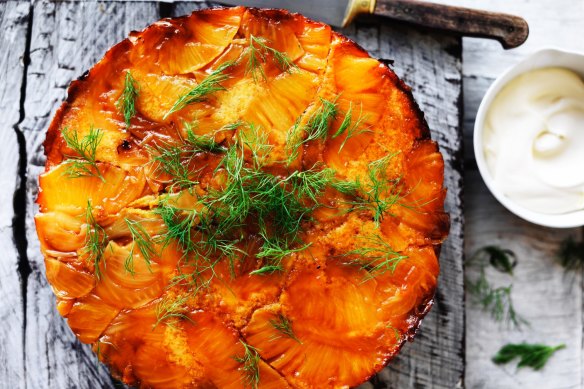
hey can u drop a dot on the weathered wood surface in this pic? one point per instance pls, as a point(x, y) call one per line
point(68, 37)
point(547, 297)
point(13, 27)
point(543, 293)
point(431, 65)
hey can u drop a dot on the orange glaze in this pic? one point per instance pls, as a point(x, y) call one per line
point(346, 323)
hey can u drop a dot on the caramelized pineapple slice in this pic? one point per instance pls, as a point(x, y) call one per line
point(204, 36)
point(158, 93)
point(128, 279)
point(333, 343)
point(59, 231)
point(68, 281)
point(89, 316)
point(280, 34)
point(197, 351)
point(71, 195)
point(315, 40)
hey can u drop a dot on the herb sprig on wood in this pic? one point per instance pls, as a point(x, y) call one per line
point(571, 254)
point(530, 355)
point(495, 300)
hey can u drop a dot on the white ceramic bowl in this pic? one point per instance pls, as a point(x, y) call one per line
point(541, 59)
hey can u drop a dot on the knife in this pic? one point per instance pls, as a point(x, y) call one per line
point(511, 31)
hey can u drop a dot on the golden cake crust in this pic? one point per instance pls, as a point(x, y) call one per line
point(334, 313)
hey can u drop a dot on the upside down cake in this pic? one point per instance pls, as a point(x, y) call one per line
point(241, 198)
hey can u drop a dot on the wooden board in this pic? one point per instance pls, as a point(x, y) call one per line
point(68, 37)
point(13, 24)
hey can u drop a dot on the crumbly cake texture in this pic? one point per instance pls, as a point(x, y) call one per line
point(350, 284)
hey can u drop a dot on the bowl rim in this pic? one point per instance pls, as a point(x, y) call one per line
point(542, 58)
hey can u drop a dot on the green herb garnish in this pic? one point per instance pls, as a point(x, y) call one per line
point(95, 240)
point(497, 301)
point(375, 256)
point(127, 101)
point(283, 325)
point(251, 365)
point(170, 311)
point(349, 127)
point(501, 259)
point(141, 240)
point(315, 128)
point(571, 254)
point(258, 51)
point(85, 164)
point(209, 85)
point(530, 355)
point(173, 160)
point(379, 194)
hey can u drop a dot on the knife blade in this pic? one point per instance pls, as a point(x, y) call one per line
point(328, 11)
point(511, 31)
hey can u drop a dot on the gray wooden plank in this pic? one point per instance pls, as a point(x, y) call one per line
point(67, 39)
point(431, 65)
point(543, 293)
point(14, 21)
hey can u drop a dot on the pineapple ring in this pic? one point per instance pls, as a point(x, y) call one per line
point(129, 274)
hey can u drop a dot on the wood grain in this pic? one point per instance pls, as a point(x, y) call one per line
point(67, 39)
point(430, 65)
point(14, 18)
point(549, 298)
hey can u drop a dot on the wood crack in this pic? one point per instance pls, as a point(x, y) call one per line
point(20, 194)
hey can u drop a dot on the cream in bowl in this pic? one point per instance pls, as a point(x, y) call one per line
point(529, 140)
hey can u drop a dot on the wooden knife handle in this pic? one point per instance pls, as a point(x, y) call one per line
point(510, 30)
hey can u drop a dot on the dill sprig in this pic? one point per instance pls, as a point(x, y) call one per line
point(504, 260)
point(379, 194)
point(95, 240)
point(283, 325)
point(169, 311)
point(349, 127)
point(127, 101)
point(315, 128)
point(267, 269)
point(85, 163)
point(201, 143)
point(141, 240)
point(375, 256)
point(258, 52)
point(173, 160)
point(530, 355)
point(209, 85)
point(497, 301)
point(180, 224)
point(251, 365)
point(571, 254)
